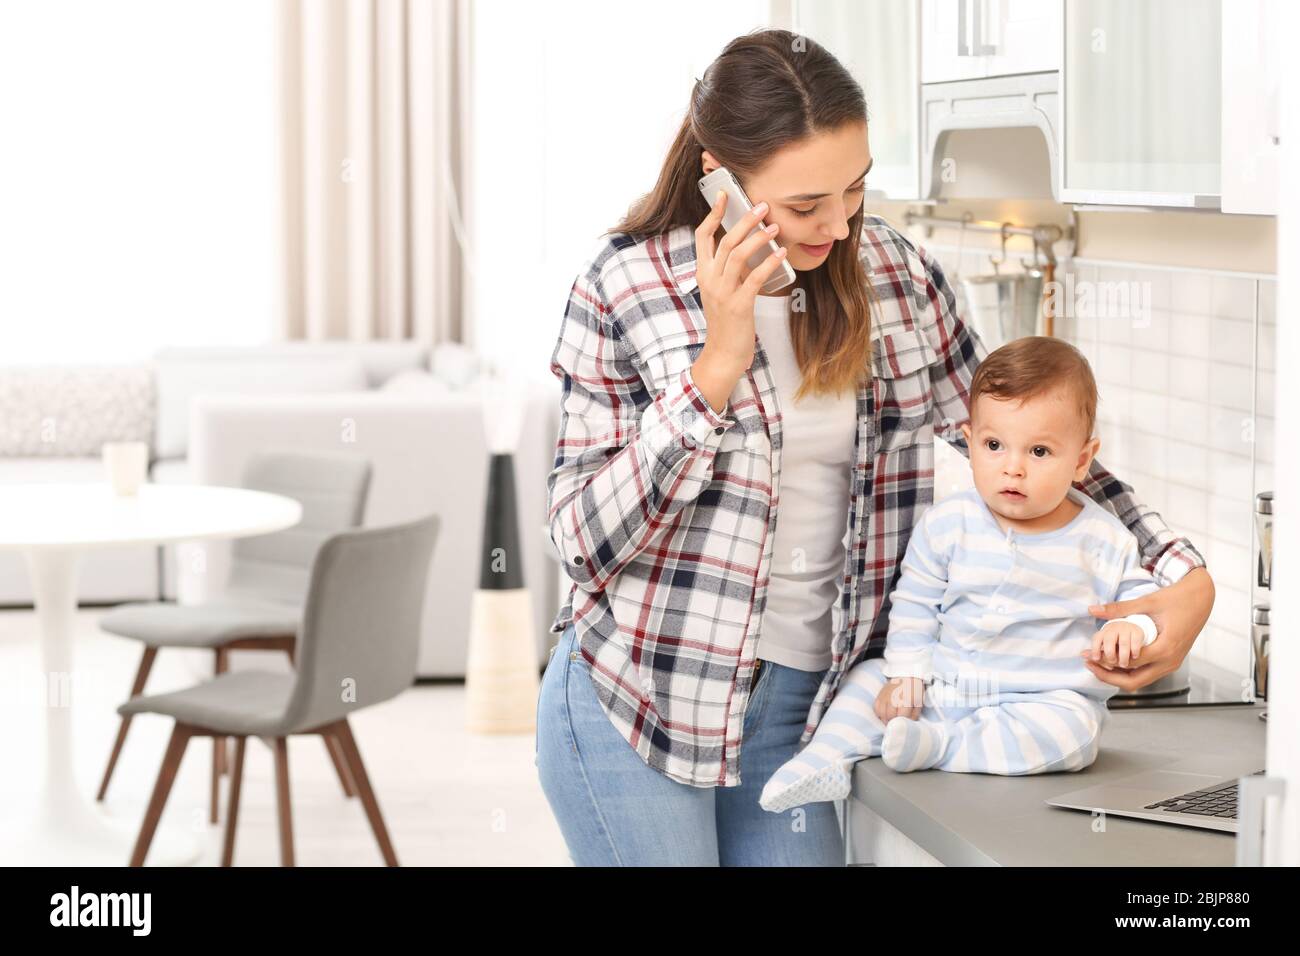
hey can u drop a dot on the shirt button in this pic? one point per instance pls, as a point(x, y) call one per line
point(719, 430)
point(579, 559)
point(647, 688)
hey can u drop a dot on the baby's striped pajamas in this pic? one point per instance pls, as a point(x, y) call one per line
point(994, 622)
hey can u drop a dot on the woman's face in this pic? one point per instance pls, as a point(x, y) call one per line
point(813, 188)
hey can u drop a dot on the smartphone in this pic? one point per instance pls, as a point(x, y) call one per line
point(738, 205)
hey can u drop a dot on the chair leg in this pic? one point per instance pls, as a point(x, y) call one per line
point(221, 666)
point(232, 803)
point(340, 765)
point(282, 800)
point(124, 724)
point(331, 746)
point(218, 751)
point(343, 734)
point(181, 734)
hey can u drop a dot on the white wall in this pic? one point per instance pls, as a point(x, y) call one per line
point(136, 177)
point(575, 104)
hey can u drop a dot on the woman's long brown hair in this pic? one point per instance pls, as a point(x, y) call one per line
point(768, 89)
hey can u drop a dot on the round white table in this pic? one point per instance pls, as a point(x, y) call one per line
point(53, 525)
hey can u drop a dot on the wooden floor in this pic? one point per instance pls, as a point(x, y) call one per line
point(449, 797)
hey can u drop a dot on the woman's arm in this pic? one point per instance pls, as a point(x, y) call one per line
point(625, 462)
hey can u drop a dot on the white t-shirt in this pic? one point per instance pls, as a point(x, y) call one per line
point(813, 505)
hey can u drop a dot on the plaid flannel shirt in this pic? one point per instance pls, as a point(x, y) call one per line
point(663, 511)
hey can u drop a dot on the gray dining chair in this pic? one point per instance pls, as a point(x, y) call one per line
point(358, 646)
point(261, 607)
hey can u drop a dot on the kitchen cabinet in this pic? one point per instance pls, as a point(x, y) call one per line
point(878, 42)
point(1140, 102)
point(1157, 103)
point(1252, 62)
point(974, 39)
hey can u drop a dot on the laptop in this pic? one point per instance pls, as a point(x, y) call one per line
point(1195, 792)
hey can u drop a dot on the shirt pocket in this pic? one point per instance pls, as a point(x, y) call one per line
point(903, 393)
point(662, 365)
point(663, 361)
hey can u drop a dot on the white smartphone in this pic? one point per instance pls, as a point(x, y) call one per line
point(738, 205)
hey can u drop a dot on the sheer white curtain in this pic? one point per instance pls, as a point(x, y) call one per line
point(374, 157)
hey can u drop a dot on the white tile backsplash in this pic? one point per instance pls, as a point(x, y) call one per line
point(1230, 563)
point(1185, 414)
point(1190, 293)
point(1190, 336)
point(1267, 355)
point(1227, 516)
point(1187, 463)
point(1115, 329)
point(1264, 391)
point(1232, 298)
point(1151, 411)
point(1155, 453)
point(1223, 648)
point(1188, 421)
point(1234, 341)
point(1157, 281)
point(1187, 510)
point(1150, 369)
point(1187, 376)
point(1114, 362)
point(1231, 386)
point(1153, 334)
point(1264, 434)
point(1268, 303)
point(1231, 431)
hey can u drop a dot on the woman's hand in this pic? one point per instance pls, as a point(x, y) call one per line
point(727, 285)
point(1179, 610)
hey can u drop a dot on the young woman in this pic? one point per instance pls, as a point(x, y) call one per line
point(737, 475)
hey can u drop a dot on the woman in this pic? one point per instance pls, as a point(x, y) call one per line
point(704, 637)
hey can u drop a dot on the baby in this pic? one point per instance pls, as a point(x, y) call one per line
point(982, 669)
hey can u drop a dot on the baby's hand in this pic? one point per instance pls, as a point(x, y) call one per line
point(901, 697)
point(1117, 643)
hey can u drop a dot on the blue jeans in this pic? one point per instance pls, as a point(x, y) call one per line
point(615, 810)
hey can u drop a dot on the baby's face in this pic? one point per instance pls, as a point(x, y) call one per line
point(1024, 455)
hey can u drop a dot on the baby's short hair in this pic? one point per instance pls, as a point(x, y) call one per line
point(1034, 365)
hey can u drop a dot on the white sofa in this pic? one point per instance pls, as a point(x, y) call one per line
point(307, 369)
point(429, 453)
point(424, 433)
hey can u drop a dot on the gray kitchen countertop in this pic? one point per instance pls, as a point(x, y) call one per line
point(971, 819)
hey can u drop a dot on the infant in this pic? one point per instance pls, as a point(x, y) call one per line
point(982, 670)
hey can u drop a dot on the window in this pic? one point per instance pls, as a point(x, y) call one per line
point(137, 177)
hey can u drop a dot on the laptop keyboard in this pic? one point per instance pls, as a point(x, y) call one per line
point(1218, 801)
